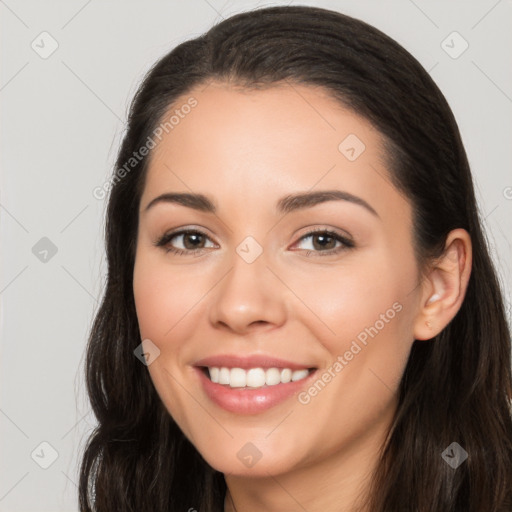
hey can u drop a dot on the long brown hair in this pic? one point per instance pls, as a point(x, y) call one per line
point(455, 388)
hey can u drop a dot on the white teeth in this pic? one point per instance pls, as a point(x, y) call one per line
point(299, 374)
point(224, 376)
point(286, 375)
point(237, 378)
point(254, 377)
point(272, 377)
point(214, 374)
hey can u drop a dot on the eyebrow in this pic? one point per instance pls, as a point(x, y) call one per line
point(286, 204)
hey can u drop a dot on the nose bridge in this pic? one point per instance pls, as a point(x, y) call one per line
point(248, 293)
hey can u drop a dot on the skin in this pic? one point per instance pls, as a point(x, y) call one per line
point(245, 150)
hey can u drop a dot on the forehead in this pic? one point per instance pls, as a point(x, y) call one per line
point(257, 144)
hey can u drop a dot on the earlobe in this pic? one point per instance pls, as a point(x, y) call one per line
point(445, 287)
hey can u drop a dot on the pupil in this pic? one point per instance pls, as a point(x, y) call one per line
point(192, 235)
point(324, 238)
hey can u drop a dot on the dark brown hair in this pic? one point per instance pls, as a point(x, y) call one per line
point(456, 387)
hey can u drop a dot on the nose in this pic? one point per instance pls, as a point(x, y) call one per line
point(248, 298)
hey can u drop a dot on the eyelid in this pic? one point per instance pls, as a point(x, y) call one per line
point(171, 233)
point(326, 229)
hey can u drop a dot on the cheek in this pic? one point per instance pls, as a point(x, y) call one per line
point(343, 302)
point(367, 345)
point(363, 315)
point(163, 298)
point(166, 301)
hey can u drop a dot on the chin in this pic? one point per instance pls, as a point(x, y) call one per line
point(247, 460)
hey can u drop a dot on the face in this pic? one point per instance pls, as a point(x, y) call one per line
point(257, 287)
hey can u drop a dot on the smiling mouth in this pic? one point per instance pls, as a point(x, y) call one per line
point(254, 378)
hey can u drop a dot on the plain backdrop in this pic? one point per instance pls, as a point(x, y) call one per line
point(62, 118)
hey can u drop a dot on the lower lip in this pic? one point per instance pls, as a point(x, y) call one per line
point(247, 400)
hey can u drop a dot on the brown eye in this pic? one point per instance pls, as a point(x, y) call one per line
point(324, 242)
point(190, 241)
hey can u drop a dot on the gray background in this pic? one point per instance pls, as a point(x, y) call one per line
point(62, 119)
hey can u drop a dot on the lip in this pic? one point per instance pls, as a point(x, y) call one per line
point(245, 400)
point(253, 361)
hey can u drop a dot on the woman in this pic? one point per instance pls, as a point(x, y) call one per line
point(301, 312)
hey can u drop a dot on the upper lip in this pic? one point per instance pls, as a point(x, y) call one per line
point(249, 361)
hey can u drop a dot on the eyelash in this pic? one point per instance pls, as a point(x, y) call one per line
point(166, 238)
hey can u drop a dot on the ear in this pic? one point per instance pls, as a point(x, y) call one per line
point(444, 289)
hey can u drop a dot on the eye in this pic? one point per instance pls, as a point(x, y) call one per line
point(191, 240)
point(323, 242)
